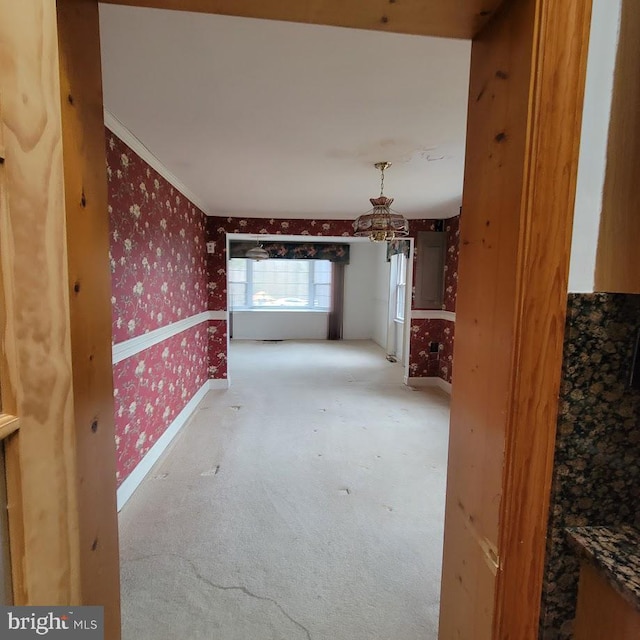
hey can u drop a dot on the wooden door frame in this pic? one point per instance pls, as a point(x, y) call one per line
point(54, 209)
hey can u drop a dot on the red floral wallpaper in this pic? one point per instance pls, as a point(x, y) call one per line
point(452, 227)
point(423, 363)
point(150, 390)
point(159, 276)
point(445, 361)
point(217, 349)
point(158, 254)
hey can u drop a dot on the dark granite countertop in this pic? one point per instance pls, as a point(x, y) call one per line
point(616, 552)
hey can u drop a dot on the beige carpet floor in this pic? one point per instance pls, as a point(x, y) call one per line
point(304, 503)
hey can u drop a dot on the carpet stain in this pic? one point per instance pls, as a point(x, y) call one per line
point(236, 407)
point(211, 472)
point(161, 476)
point(346, 491)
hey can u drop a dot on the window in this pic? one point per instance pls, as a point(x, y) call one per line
point(401, 285)
point(279, 284)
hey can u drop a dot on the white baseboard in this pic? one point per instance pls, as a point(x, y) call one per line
point(127, 488)
point(429, 382)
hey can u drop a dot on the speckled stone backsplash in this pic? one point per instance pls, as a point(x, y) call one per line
point(597, 463)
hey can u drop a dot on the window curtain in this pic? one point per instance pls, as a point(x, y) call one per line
point(336, 315)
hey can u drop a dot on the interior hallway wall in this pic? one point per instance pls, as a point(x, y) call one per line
point(159, 288)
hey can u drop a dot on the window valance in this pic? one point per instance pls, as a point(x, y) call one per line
point(395, 247)
point(294, 250)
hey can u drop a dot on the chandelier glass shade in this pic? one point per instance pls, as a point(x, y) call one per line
point(257, 253)
point(381, 223)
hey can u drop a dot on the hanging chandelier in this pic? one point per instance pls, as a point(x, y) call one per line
point(257, 253)
point(381, 223)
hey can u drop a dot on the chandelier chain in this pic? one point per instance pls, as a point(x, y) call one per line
point(381, 181)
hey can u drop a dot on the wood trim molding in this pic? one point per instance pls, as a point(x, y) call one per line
point(443, 18)
point(435, 314)
point(8, 424)
point(525, 105)
point(35, 350)
point(601, 612)
point(131, 347)
point(560, 61)
point(88, 285)
point(115, 126)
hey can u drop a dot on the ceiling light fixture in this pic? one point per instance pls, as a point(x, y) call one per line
point(381, 223)
point(257, 253)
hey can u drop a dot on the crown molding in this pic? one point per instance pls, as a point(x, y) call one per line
point(116, 127)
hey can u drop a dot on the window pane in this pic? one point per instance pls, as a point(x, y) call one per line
point(400, 300)
point(322, 271)
point(237, 294)
point(281, 283)
point(322, 296)
point(402, 269)
point(238, 270)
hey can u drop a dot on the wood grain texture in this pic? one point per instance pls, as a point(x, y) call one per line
point(87, 223)
point(603, 614)
point(562, 38)
point(618, 258)
point(8, 424)
point(16, 519)
point(35, 351)
point(446, 18)
point(499, 99)
point(527, 77)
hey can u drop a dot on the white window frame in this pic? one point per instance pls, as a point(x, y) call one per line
point(400, 287)
point(248, 302)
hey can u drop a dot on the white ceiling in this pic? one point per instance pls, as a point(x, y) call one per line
point(275, 119)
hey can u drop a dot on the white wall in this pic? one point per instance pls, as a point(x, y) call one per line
point(605, 27)
point(381, 273)
point(358, 292)
point(280, 325)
